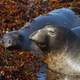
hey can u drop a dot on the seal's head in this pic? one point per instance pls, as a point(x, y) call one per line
point(62, 48)
point(51, 37)
point(10, 39)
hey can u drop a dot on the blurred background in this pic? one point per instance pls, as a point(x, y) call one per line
point(14, 14)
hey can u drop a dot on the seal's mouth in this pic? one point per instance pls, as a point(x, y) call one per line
point(42, 46)
point(13, 48)
point(7, 45)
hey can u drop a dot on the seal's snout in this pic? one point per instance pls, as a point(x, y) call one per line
point(6, 42)
point(9, 39)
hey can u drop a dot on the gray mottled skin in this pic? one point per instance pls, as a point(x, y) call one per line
point(62, 49)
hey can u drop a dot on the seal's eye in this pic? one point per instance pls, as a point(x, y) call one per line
point(52, 33)
point(9, 41)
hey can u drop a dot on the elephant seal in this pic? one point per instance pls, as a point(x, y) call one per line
point(62, 47)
